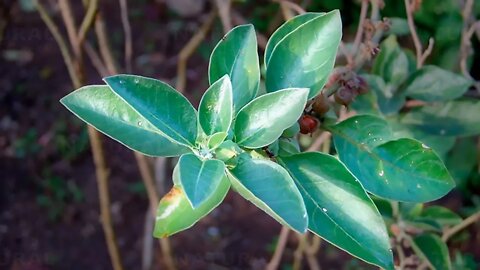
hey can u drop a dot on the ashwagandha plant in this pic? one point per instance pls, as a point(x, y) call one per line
point(247, 141)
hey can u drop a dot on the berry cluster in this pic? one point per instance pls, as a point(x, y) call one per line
point(348, 85)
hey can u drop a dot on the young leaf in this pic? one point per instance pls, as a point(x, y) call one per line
point(199, 178)
point(454, 118)
point(391, 63)
point(339, 210)
point(215, 111)
point(431, 83)
point(98, 106)
point(175, 213)
point(305, 57)
point(432, 249)
point(285, 29)
point(403, 169)
point(268, 186)
point(216, 139)
point(236, 55)
point(159, 104)
point(263, 120)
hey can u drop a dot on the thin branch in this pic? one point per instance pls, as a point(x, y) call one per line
point(361, 22)
point(128, 35)
point(95, 59)
point(298, 254)
point(319, 141)
point(104, 45)
point(87, 20)
point(467, 33)
point(53, 28)
point(189, 49)
point(104, 196)
point(68, 19)
point(465, 223)
point(311, 250)
point(421, 56)
point(223, 7)
point(277, 255)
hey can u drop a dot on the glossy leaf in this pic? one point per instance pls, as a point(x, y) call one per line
point(391, 63)
point(285, 29)
point(288, 146)
point(440, 144)
point(389, 100)
point(263, 120)
point(431, 83)
point(215, 111)
point(305, 57)
point(270, 187)
point(339, 209)
point(454, 118)
point(159, 104)
point(441, 215)
point(431, 248)
point(175, 213)
point(236, 55)
point(98, 106)
point(199, 178)
point(402, 169)
point(216, 139)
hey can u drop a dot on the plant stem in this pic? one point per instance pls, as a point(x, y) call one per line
point(189, 49)
point(421, 56)
point(298, 255)
point(52, 27)
point(457, 228)
point(92, 8)
point(361, 22)
point(277, 255)
point(101, 170)
point(128, 35)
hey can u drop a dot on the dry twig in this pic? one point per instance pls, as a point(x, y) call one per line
point(421, 56)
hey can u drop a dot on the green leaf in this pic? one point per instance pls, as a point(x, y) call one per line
point(339, 210)
point(285, 29)
point(263, 120)
point(216, 139)
point(454, 118)
point(440, 144)
point(288, 146)
point(389, 100)
point(199, 178)
point(270, 187)
point(305, 57)
point(391, 63)
point(98, 106)
point(431, 248)
point(441, 215)
point(462, 160)
point(159, 104)
point(215, 111)
point(175, 213)
point(236, 55)
point(431, 83)
point(402, 169)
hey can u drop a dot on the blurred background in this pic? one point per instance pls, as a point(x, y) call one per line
point(49, 206)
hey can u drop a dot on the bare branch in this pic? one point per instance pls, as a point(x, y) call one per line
point(128, 35)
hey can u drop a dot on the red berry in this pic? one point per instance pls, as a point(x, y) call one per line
point(308, 124)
